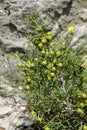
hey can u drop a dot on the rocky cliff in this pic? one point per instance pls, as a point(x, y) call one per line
point(56, 14)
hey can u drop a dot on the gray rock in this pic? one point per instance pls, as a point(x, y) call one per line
point(56, 14)
point(13, 13)
point(80, 33)
point(13, 44)
point(4, 110)
point(83, 15)
point(13, 111)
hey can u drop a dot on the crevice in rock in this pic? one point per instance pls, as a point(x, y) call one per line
point(61, 10)
point(57, 15)
point(66, 10)
point(23, 127)
point(8, 11)
point(1, 1)
point(1, 42)
point(14, 50)
point(12, 27)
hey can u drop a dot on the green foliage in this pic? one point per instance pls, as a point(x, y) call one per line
point(55, 81)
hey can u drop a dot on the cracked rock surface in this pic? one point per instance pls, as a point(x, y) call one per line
point(13, 110)
point(56, 14)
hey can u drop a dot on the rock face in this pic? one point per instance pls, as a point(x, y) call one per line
point(58, 15)
point(13, 110)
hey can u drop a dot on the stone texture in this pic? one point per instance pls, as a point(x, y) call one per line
point(13, 110)
point(80, 32)
point(56, 14)
point(83, 15)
